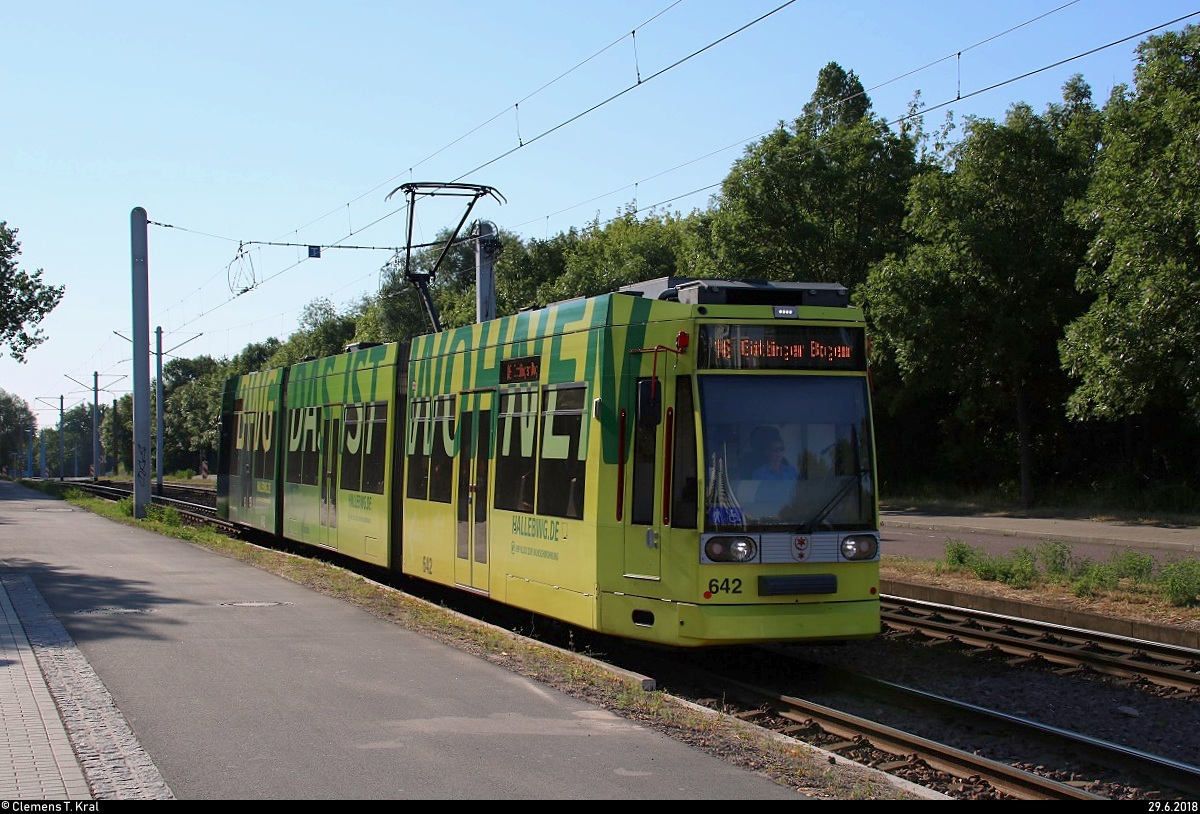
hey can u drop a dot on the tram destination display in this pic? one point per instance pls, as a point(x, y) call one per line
point(781, 347)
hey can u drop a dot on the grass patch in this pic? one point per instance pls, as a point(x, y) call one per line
point(1177, 583)
point(1180, 581)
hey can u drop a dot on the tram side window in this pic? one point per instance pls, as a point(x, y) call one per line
point(246, 435)
point(352, 432)
point(245, 444)
point(311, 462)
point(263, 458)
point(259, 432)
point(295, 464)
point(374, 456)
point(683, 463)
point(420, 436)
point(364, 428)
point(563, 452)
point(243, 460)
point(441, 450)
point(303, 452)
point(645, 437)
point(515, 447)
point(250, 443)
point(225, 462)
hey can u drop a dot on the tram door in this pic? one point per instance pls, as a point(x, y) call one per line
point(643, 534)
point(474, 457)
point(331, 439)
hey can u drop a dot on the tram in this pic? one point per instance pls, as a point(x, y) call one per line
point(688, 462)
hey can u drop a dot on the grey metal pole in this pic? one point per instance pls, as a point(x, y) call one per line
point(486, 246)
point(95, 425)
point(62, 442)
point(141, 361)
point(158, 408)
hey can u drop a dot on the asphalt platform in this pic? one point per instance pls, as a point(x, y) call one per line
point(134, 666)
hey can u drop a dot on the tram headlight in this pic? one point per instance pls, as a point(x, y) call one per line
point(730, 549)
point(859, 547)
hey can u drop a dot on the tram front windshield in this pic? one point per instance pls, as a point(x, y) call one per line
point(787, 453)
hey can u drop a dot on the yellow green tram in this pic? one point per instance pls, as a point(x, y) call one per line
point(686, 462)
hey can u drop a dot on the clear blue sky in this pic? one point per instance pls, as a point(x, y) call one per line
point(289, 122)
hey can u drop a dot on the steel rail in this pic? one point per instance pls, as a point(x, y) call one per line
point(1174, 774)
point(910, 748)
point(1032, 640)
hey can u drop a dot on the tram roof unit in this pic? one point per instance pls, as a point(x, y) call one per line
point(697, 291)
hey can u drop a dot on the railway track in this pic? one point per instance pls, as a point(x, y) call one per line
point(977, 753)
point(965, 749)
point(1057, 763)
point(197, 506)
point(929, 763)
point(1173, 669)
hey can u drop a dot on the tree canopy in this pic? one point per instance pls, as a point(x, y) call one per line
point(818, 200)
point(16, 423)
point(977, 303)
point(1138, 345)
point(24, 299)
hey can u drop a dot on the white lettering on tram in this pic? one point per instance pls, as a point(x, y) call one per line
point(360, 428)
point(302, 434)
point(554, 446)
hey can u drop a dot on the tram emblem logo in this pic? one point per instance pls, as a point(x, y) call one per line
point(800, 547)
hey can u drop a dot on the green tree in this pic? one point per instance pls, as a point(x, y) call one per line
point(191, 422)
point(16, 423)
point(623, 251)
point(392, 315)
point(77, 437)
point(838, 100)
point(1137, 349)
point(453, 285)
point(396, 313)
point(180, 371)
point(116, 435)
point(323, 331)
point(975, 307)
point(24, 299)
point(255, 356)
point(69, 442)
point(523, 268)
point(191, 410)
point(819, 200)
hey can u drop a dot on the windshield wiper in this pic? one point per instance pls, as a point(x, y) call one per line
point(854, 479)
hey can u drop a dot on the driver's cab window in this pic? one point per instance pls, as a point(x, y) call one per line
point(786, 454)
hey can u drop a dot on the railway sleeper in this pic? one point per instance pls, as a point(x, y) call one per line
point(1031, 660)
point(751, 714)
point(910, 762)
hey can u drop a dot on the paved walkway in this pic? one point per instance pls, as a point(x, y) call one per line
point(41, 764)
point(245, 685)
point(1184, 539)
